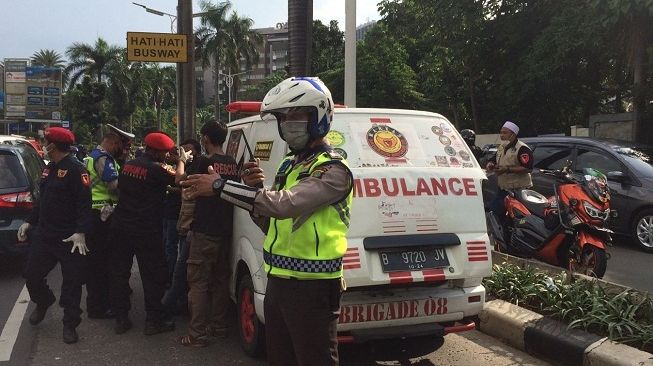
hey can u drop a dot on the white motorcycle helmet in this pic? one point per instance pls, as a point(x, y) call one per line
point(299, 93)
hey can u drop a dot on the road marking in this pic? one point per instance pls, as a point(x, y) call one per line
point(12, 327)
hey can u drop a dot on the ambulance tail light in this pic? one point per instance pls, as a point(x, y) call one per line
point(16, 200)
point(253, 107)
point(465, 282)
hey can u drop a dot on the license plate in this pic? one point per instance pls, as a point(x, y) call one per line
point(414, 260)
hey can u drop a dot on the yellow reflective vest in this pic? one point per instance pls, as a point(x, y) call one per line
point(308, 247)
point(99, 191)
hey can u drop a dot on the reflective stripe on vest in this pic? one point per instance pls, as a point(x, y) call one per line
point(100, 194)
point(310, 246)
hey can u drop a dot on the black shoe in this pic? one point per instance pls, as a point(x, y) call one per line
point(156, 327)
point(107, 314)
point(38, 314)
point(123, 324)
point(70, 335)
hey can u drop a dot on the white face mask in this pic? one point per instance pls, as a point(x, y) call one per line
point(47, 150)
point(295, 133)
point(505, 142)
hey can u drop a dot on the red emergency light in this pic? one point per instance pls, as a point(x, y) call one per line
point(251, 107)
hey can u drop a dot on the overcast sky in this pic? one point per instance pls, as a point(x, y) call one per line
point(28, 26)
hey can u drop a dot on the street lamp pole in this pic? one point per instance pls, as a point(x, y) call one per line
point(229, 80)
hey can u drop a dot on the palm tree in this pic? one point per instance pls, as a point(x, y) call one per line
point(47, 58)
point(126, 84)
point(93, 60)
point(213, 38)
point(243, 45)
point(160, 88)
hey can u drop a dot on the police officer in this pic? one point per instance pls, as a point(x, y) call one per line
point(103, 170)
point(308, 210)
point(470, 138)
point(512, 165)
point(136, 228)
point(62, 218)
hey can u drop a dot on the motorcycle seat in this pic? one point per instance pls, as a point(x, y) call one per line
point(535, 202)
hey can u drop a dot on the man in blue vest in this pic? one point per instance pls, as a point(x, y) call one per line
point(103, 170)
point(308, 210)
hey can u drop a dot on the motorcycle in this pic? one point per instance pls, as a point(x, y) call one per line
point(566, 230)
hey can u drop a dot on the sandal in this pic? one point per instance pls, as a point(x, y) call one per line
point(190, 341)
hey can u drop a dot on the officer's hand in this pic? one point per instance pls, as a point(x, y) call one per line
point(184, 156)
point(22, 231)
point(252, 174)
point(198, 185)
point(79, 243)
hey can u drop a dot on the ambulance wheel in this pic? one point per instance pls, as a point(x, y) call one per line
point(251, 330)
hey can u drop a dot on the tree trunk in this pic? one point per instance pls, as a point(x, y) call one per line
point(638, 39)
point(472, 100)
point(300, 26)
point(158, 116)
point(216, 99)
point(454, 110)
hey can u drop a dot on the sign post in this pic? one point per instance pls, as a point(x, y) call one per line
point(157, 47)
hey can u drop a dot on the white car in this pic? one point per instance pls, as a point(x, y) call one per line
point(417, 244)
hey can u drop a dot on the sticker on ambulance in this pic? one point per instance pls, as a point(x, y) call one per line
point(335, 138)
point(380, 311)
point(387, 141)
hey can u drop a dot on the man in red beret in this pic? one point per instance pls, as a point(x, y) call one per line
point(62, 218)
point(136, 228)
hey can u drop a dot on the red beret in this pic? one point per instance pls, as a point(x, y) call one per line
point(60, 135)
point(159, 141)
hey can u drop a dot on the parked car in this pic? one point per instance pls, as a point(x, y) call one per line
point(20, 171)
point(627, 165)
point(18, 139)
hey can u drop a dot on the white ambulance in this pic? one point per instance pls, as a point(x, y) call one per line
point(417, 244)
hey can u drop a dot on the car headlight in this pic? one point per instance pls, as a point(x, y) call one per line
point(595, 213)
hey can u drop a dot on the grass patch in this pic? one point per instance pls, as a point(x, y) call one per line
point(624, 317)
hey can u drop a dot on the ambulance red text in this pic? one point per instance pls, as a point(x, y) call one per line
point(390, 187)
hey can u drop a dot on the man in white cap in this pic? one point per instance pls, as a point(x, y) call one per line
point(512, 165)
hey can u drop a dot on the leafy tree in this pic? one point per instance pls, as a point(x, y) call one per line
point(328, 46)
point(93, 60)
point(48, 58)
point(125, 88)
point(384, 77)
point(243, 43)
point(160, 88)
point(257, 92)
point(213, 38)
point(84, 105)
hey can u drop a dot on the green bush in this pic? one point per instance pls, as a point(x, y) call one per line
point(624, 317)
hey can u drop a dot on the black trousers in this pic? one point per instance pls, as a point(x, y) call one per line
point(97, 277)
point(44, 255)
point(300, 322)
point(152, 266)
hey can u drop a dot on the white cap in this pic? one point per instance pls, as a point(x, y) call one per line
point(512, 127)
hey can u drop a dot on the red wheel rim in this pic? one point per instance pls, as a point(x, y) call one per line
point(247, 314)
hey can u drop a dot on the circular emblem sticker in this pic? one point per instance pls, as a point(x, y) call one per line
point(387, 141)
point(450, 151)
point(335, 138)
point(444, 140)
point(342, 152)
point(436, 130)
point(464, 155)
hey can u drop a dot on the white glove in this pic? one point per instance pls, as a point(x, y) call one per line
point(79, 243)
point(22, 231)
point(184, 156)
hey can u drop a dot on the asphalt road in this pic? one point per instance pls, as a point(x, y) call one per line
point(42, 345)
point(629, 266)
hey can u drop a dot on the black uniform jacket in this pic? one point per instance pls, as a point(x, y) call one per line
point(140, 208)
point(64, 207)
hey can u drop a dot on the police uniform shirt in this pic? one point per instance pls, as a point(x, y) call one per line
point(214, 216)
point(64, 207)
point(142, 183)
point(328, 184)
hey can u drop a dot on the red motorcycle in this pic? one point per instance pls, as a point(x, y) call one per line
point(566, 230)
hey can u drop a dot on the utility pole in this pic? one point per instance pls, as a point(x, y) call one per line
point(300, 36)
point(350, 53)
point(186, 92)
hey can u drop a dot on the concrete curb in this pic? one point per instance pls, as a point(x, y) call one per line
point(551, 340)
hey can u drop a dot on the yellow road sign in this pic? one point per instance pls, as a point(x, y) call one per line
point(157, 47)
